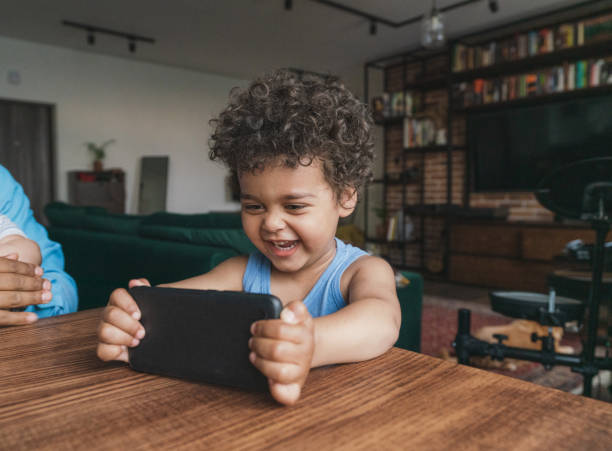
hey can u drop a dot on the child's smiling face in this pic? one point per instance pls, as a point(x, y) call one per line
point(291, 215)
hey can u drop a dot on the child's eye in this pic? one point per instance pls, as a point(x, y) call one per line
point(295, 207)
point(251, 207)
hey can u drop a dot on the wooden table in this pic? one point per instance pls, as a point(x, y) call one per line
point(55, 394)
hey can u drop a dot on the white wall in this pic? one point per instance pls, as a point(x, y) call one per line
point(149, 109)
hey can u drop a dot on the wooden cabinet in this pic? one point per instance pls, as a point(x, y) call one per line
point(102, 189)
point(512, 256)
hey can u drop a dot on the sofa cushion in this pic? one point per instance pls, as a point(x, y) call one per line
point(111, 223)
point(62, 214)
point(220, 220)
point(234, 239)
point(101, 262)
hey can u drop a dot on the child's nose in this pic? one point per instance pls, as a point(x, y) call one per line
point(273, 222)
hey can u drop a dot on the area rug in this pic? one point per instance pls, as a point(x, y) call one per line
point(439, 327)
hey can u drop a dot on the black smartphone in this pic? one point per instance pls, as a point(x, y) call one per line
point(200, 335)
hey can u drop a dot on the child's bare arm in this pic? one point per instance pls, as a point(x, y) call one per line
point(369, 325)
point(26, 249)
point(284, 350)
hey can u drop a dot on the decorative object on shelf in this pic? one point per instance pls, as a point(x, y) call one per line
point(99, 152)
point(432, 29)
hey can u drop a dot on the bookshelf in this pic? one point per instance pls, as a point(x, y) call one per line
point(411, 112)
point(558, 57)
point(529, 61)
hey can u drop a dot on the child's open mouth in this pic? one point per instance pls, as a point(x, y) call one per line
point(282, 248)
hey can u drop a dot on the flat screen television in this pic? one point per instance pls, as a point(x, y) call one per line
point(514, 148)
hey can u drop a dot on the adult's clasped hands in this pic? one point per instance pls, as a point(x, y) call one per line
point(21, 285)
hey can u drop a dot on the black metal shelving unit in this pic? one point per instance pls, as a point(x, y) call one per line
point(440, 82)
point(448, 80)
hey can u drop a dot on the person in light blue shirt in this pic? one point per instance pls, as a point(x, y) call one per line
point(37, 286)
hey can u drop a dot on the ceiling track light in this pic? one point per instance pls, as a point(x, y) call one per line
point(374, 20)
point(91, 30)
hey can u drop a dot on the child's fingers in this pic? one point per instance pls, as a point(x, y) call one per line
point(122, 299)
point(108, 352)
point(279, 330)
point(110, 335)
point(276, 350)
point(281, 372)
point(120, 319)
point(287, 394)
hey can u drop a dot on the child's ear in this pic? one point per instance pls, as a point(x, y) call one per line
point(348, 202)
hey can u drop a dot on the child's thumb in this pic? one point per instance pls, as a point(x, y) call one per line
point(295, 312)
point(12, 256)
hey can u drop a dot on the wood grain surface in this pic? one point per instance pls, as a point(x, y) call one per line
point(55, 394)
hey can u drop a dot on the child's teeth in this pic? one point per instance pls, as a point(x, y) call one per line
point(284, 244)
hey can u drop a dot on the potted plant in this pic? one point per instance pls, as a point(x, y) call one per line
point(99, 152)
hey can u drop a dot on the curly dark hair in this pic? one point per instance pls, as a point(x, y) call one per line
point(297, 121)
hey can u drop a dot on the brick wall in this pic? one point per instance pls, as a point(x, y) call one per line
point(433, 166)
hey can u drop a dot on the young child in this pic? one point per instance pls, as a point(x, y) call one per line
point(300, 150)
point(14, 243)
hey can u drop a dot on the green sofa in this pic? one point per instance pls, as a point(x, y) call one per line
point(104, 251)
point(411, 303)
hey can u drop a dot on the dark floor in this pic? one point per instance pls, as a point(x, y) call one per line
point(466, 293)
point(480, 295)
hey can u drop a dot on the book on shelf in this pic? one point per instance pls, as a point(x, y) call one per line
point(392, 228)
point(580, 33)
point(564, 38)
point(533, 41)
point(522, 50)
point(580, 81)
point(545, 41)
point(570, 75)
point(531, 82)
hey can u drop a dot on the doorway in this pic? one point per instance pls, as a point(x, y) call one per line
point(26, 150)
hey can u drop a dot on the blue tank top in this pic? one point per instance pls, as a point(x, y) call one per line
point(325, 297)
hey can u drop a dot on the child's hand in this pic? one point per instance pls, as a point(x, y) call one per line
point(282, 351)
point(120, 326)
point(26, 250)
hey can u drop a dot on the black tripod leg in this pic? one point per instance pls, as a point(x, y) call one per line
point(463, 335)
point(594, 298)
